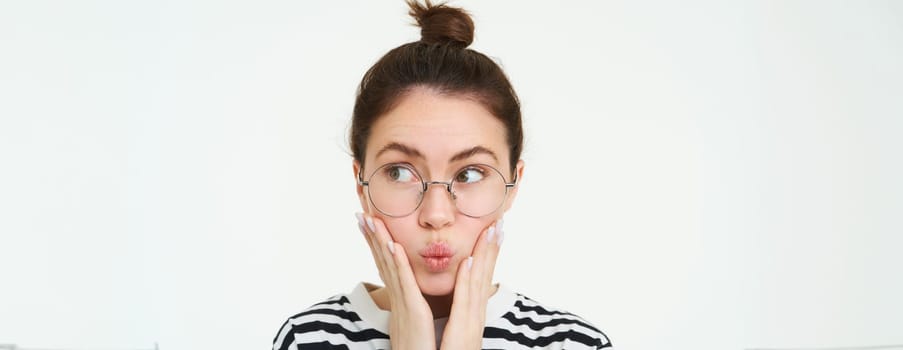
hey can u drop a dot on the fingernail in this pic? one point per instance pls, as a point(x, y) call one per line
point(491, 234)
point(391, 247)
point(360, 218)
point(360, 222)
point(370, 224)
point(501, 237)
point(498, 224)
point(469, 262)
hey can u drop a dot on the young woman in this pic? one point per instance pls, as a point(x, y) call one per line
point(436, 138)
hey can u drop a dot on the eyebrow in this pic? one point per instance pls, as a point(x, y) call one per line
point(413, 152)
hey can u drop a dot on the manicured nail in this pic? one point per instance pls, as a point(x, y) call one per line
point(391, 247)
point(370, 224)
point(501, 237)
point(498, 224)
point(491, 234)
point(469, 262)
point(360, 218)
point(360, 222)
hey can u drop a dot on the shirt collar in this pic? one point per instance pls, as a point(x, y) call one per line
point(361, 302)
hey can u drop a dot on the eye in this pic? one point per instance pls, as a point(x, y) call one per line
point(470, 175)
point(398, 173)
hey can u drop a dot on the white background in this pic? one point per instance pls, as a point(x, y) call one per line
point(700, 175)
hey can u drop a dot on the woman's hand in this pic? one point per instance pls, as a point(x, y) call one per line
point(473, 287)
point(411, 320)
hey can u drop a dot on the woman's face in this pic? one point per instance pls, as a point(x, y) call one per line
point(438, 135)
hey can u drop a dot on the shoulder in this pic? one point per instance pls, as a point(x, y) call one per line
point(532, 324)
point(332, 323)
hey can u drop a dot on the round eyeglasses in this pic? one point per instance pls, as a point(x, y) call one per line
point(397, 189)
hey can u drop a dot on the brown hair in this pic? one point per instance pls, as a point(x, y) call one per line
point(440, 61)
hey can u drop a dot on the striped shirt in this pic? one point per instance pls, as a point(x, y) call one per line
point(513, 321)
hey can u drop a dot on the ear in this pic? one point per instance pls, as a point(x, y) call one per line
point(356, 166)
point(512, 193)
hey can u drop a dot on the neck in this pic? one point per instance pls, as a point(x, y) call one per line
point(440, 305)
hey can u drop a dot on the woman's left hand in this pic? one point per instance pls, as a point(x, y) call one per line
point(473, 287)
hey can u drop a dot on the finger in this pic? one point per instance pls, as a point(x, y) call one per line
point(485, 256)
point(489, 240)
point(385, 245)
point(405, 274)
point(493, 252)
point(384, 240)
point(462, 282)
point(405, 290)
point(378, 246)
point(368, 237)
point(377, 254)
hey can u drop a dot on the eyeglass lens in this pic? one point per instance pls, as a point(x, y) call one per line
point(397, 189)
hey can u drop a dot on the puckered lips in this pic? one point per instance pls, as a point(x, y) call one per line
point(437, 256)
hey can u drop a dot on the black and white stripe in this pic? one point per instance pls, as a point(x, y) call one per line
point(529, 325)
point(515, 322)
point(331, 324)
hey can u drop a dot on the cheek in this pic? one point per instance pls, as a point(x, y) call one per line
point(401, 230)
point(474, 231)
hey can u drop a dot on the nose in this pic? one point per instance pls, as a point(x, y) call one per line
point(438, 207)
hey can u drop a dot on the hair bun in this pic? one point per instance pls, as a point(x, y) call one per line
point(442, 24)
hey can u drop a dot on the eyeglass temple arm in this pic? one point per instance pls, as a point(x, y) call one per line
point(360, 178)
point(510, 185)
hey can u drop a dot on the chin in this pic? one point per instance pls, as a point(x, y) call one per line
point(436, 284)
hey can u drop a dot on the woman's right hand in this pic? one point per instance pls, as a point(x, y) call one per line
point(410, 320)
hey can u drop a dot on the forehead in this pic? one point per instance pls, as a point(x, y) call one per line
point(438, 126)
